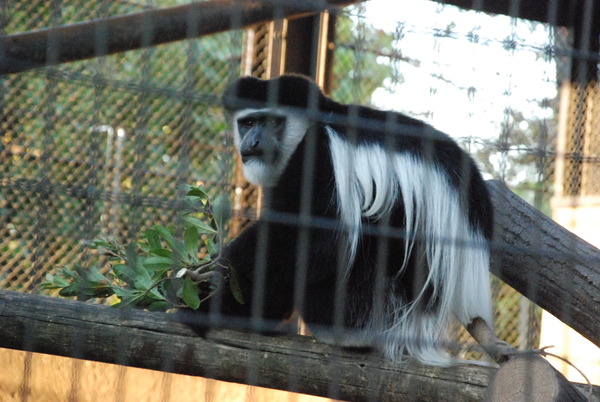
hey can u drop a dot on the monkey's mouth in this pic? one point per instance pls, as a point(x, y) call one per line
point(252, 155)
point(259, 156)
point(252, 159)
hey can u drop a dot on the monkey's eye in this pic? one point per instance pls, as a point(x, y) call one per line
point(247, 122)
point(273, 122)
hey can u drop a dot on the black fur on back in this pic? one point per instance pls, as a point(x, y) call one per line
point(361, 124)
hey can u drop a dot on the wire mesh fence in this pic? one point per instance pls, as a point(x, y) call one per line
point(106, 146)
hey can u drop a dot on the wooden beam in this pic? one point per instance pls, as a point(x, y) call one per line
point(556, 12)
point(158, 341)
point(544, 261)
point(28, 50)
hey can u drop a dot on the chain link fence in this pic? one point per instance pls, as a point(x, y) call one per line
point(582, 150)
point(106, 146)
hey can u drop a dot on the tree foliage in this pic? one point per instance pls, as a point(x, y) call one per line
point(360, 67)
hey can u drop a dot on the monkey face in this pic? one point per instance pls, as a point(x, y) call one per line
point(261, 134)
point(265, 140)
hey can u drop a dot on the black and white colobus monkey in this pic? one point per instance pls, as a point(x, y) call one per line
point(374, 222)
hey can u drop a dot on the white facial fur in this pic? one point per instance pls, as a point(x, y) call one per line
point(267, 174)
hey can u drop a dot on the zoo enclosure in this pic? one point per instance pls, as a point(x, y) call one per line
point(104, 146)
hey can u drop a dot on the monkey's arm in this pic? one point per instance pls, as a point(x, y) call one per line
point(268, 259)
point(265, 276)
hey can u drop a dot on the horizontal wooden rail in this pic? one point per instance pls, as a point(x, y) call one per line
point(158, 341)
point(44, 47)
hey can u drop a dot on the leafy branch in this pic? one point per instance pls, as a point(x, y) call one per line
point(167, 267)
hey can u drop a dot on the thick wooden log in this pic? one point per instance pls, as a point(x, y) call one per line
point(28, 50)
point(158, 341)
point(542, 260)
point(523, 376)
point(530, 378)
point(555, 12)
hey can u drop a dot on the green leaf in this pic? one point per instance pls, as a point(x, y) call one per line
point(234, 285)
point(211, 247)
point(221, 209)
point(155, 294)
point(144, 246)
point(101, 242)
point(142, 283)
point(131, 256)
point(102, 291)
point(55, 281)
point(175, 244)
point(48, 282)
point(94, 276)
point(172, 288)
point(140, 271)
point(127, 297)
point(143, 279)
point(70, 291)
point(189, 294)
point(152, 237)
point(196, 199)
point(202, 227)
point(124, 273)
point(68, 273)
point(124, 293)
point(163, 252)
point(197, 192)
point(191, 239)
point(157, 262)
point(159, 306)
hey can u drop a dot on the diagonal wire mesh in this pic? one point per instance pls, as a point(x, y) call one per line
point(106, 146)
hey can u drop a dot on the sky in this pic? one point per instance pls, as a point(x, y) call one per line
point(498, 78)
